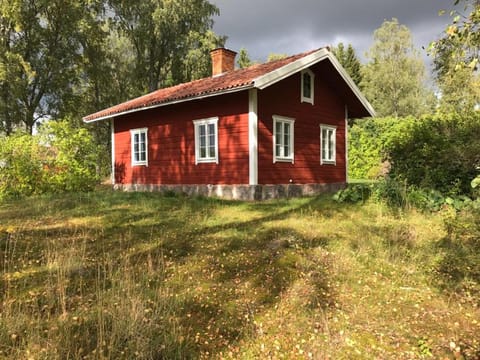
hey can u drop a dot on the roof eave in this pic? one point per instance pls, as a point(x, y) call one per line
point(263, 82)
point(341, 70)
point(177, 101)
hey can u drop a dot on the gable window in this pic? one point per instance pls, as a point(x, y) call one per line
point(206, 140)
point(283, 138)
point(139, 140)
point(328, 144)
point(307, 86)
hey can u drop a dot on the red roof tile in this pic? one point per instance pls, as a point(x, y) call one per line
point(209, 86)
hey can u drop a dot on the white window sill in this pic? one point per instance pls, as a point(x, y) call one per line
point(328, 162)
point(290, 160)
point(307, 100)
point(207, 161)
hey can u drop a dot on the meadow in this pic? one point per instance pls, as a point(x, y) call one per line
point(110, 275)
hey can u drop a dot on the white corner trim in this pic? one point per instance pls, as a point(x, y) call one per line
point(253, 137)
point(112, 143)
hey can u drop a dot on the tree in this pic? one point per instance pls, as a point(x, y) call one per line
point(394, 78)
point(243, 59)
point(456, 57)
point(41, 43)
point(349, 60)
point(163, 34)
point(275, 56)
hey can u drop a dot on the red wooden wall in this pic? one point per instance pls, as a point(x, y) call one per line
point(283, 99)
point(171, 145)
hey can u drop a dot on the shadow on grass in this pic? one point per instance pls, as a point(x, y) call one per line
point(154, 236)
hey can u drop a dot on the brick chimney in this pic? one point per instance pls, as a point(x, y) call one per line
point(223, 60)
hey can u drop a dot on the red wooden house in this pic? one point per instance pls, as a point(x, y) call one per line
point(270, 130)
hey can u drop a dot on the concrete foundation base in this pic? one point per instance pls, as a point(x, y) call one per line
point(238, 192)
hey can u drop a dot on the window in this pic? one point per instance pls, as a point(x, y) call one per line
point(139, 141)
point(206, 140)
point(307, 86)
point(282, 139)
point(328, 147)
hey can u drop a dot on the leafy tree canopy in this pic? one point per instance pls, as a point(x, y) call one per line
point(243, 59)
point(456, 56)
point(394, 78)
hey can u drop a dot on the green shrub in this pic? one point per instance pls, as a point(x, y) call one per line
point(73, 157)
point(354, 193)
point(367, 145)
point(440, 153)
point(459, 268)
point(22, 166)
point(437, 152)
point(61, 158)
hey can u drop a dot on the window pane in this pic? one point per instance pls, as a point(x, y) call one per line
point(203, 152)
point(307, 85)
point(332, 145)
point(211, 129)
point(211, 140)
point(278, 138)
point(278, 127)
point(278, 148)
point(211, 152)
point(324, 144)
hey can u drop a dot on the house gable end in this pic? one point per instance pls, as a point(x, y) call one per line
point(306, 62)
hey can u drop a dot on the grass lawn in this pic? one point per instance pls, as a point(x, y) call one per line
point(139, 275)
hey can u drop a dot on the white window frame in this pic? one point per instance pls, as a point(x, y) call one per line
point(312, 86)
point(138, 132)
point(205, 122)
point(329, 160)
point(283, 120)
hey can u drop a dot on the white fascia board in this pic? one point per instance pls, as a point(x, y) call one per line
point(285, 71)
point(301, 64)
point(199, 97)
point(352, 85)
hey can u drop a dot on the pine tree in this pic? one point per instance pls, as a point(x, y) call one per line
point(349, 61)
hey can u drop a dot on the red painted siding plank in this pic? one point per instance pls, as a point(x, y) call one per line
point(283, 99)
point(171, 153)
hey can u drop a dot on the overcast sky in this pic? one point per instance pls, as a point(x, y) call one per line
point(294, 26)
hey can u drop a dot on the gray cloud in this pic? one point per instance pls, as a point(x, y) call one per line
point(289, 26)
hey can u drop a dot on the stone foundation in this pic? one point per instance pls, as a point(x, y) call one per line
point(238, 192)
